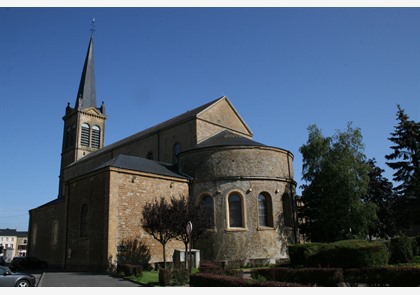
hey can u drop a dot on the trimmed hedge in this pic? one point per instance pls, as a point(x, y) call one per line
point(384, 276)
point(326, 277)
point(330, 277)
point(342, 254)
point(416, 246)
point(401, 249)
point(352, 254)
point(211, 267)
point(217, 280)
point(301, 254)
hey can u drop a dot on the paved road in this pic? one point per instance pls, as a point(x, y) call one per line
point(80, 279)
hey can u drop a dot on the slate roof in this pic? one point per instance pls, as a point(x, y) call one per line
point(142, 165)
point(189, 115)
point(50, 203)
point(12, 233)
point(87, 86)
point(227, 138)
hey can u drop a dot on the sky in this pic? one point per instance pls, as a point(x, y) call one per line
point(282, 68)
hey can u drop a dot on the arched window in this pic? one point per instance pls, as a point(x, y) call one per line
point(175, 151)
point(265, 211)
point(96, 136)
point(83, 220)
point(34, 234)
point(85, 136)
point(207, 202)
point(54, 233)
point(149, 156)
point(235, 210)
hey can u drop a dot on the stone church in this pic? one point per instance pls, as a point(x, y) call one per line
point(206, 154)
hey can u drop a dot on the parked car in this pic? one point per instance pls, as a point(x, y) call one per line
point(27, 263)
point(15, 279)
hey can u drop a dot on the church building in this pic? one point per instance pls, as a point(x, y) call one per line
point(206, 154)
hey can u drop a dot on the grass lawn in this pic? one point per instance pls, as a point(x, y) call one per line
point(151, 278)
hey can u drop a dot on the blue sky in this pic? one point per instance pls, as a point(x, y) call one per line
point(282, 68)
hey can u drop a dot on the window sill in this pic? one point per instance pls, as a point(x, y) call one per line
point(236, 229)
point(264, 228)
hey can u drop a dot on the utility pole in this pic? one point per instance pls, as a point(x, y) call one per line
point(189, 231)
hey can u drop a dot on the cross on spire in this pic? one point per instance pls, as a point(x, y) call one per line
point(92, 27)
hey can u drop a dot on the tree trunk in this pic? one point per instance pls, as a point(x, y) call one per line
point(164, 255)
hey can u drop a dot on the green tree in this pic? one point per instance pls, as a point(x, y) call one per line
point(380, 192)
point(336, 177)
point(157, 221)
point(405, 161)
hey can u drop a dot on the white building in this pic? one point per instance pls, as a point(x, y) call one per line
point(13, 243)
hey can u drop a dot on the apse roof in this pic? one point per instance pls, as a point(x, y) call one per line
point(228, 138)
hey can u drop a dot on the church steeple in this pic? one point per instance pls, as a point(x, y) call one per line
point(84, 125)
point(86, 95)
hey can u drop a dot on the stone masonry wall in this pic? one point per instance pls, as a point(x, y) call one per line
point(87, 251)
point(249, 172)
point(41, 241)
point(129, 193)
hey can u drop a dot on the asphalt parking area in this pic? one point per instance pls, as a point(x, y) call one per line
point(81, 279)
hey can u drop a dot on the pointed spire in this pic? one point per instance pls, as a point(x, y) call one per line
point(86, 96)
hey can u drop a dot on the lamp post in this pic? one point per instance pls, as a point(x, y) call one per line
point(189, 231)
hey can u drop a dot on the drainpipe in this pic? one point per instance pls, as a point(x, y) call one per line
point(292, 198)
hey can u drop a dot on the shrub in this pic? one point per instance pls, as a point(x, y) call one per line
point(354, 253)
point(211, 267)
point(416, 246)
point(300, 253)
point(401, 250)
point(180, 277)
point(307, 276)
point(403, 276)
point(164, 276)
point(343, 254)
point(384, 276)
point(215, 280)
point(369, 276)
point(135, 252)
point(275, 284)
point(130, 270)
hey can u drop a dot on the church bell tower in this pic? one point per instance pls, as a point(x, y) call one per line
point(84, 125)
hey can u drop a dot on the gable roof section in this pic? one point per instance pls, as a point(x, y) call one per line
point(141, 165)
point(222, 113)
point(189, 115)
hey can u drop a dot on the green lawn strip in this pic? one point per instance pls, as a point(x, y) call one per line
point(151, 278)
